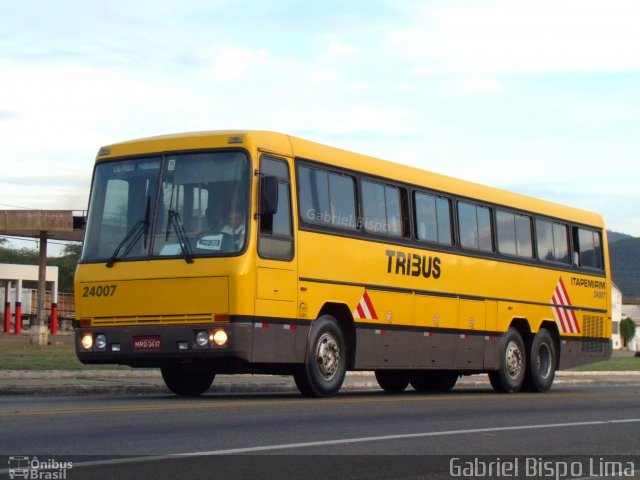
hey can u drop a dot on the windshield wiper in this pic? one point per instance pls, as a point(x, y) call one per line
point(140, 228)
point(175, 222)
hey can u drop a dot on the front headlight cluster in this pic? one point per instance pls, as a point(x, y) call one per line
point(97, 343)
point(218, 337)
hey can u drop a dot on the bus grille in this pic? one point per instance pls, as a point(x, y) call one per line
point(152, 320)
point(593, 327)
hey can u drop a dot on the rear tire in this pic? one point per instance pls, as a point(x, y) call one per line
point(323, 372)
point(510, 377)
point(187, 381)
point(434, 381)
point(541, 366)
point(391, 381)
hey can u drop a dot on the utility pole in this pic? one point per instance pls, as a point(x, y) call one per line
point(39, 329)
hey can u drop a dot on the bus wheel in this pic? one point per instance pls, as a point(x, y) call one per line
point(434, 381)
point(326, 365)
point(510, 377)
point(391, 381)
point(542, 363)
point(188, 381)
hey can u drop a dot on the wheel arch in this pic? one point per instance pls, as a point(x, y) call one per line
point(521, 324)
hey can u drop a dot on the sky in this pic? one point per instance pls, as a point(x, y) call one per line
point(540, 97)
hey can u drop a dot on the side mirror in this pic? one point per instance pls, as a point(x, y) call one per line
point(268, 195)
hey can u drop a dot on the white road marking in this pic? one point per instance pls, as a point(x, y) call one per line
point(322, 443)
point(343, 441)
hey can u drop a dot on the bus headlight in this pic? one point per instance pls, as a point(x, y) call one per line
point(202, 338)
point(101, 341)
point(87, 341)
point(219, 337)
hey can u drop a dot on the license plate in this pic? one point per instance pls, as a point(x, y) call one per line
point(147, 343)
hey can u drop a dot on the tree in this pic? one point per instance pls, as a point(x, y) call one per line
point(66, 263)
point(20, 256)
point(627, 330)
point(67, 266)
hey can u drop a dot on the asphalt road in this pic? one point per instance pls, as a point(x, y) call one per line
point(285, 436)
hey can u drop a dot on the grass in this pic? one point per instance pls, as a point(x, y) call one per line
point(614, 364)
point(16, 353)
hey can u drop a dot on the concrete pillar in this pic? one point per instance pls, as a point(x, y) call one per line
point(17, 311)
point(39, 329)
point(7, 307)
point(54, 308)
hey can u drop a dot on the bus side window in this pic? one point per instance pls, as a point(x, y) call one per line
point(475, 227)
point(276, 231)
point(381, 207)
point(552, 241)
point(326, 198)
point(514, 234)
point(433, 218)
point(588, 248)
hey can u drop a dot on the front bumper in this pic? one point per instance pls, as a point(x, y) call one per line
point(158, 345)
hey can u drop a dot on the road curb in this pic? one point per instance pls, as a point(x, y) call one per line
point(155, 374)
point(145, 382)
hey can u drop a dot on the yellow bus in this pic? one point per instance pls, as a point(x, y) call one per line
point(257, 252)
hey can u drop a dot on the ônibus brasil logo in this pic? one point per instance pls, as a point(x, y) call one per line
point(33, 468)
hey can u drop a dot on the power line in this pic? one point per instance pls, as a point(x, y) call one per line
point(36, 240)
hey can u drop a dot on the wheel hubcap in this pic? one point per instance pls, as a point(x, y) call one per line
point(514, 360)
point(328, 356)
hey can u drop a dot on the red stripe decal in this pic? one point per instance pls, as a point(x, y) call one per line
point(372, 310)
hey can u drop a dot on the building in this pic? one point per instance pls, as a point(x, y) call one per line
point(631, 309)
point(41, 224)
point(17, 299)
point(616, 316)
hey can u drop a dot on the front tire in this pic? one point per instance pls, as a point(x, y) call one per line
point(187, 381)
point(541, 368)
point(323, 372)
point(510, 377)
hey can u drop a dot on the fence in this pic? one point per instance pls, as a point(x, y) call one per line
point(29, 305)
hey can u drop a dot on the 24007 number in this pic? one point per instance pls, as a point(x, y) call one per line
point(99, 291)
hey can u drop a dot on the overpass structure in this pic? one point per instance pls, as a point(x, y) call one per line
point(43, 225)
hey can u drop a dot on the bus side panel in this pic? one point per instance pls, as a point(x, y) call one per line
point(576, 352)
point(470, 349)
point(436, 348)
point(492, 345)
point(279, 341)
point(591, 347)
point(436, 312)
point(378, 348)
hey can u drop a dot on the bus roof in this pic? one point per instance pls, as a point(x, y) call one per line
point(298, 147)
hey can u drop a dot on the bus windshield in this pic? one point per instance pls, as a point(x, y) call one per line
point(177, 205)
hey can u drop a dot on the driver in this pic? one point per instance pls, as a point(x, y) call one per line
point(235, 227)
